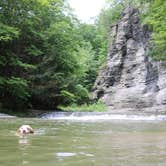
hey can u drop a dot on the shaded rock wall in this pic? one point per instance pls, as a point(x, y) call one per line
point(130, 80)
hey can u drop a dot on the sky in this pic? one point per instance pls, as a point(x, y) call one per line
point(86, 10)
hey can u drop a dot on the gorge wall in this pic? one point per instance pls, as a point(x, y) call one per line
point(131, 80)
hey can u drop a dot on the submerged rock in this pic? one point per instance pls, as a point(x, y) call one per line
point(131, 80)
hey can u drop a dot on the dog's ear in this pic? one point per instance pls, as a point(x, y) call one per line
point(18, 131)
point(30, 130)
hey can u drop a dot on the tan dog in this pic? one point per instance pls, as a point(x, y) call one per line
point(25, 129)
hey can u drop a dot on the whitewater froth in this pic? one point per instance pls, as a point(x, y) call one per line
point(88, 116)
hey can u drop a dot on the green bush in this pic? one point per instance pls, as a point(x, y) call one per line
point(68, 97)
point(95, 107)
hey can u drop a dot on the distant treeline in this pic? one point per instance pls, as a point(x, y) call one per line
point(48, 57)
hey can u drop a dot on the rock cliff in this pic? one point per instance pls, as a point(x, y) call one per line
point(130, 80)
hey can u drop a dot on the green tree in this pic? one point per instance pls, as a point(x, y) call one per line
point(57, 66)
point(32, 34)
point(155, 18)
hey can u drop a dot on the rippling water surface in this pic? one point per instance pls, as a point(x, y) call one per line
point(84, 142)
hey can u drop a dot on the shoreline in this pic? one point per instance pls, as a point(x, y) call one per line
point(32, 113)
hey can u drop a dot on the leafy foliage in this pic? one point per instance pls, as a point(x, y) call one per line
point(8, 33)
point(108, 17)
point(98, 107)
point(48, 58)
point(154, 16)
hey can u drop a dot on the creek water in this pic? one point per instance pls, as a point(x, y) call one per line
point(89, 140)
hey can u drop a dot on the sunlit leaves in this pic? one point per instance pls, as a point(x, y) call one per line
point(18, 87)
point(155, 18)
point(8, 33)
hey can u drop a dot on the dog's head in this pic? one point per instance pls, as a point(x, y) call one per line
point(25, 129)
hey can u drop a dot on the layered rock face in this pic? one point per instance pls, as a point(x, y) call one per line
point(130, 80)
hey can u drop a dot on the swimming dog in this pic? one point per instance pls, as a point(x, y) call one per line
point(25, 129)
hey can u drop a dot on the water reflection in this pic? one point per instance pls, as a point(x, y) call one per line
point(25, 162)
point(24, 143)
point(65, 154)
point(87, 154)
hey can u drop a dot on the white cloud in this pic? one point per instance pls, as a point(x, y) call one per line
point(86, 10)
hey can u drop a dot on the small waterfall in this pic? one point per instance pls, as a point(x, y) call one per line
point(98, 116)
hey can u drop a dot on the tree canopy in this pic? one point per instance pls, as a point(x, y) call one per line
point(46, 54)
